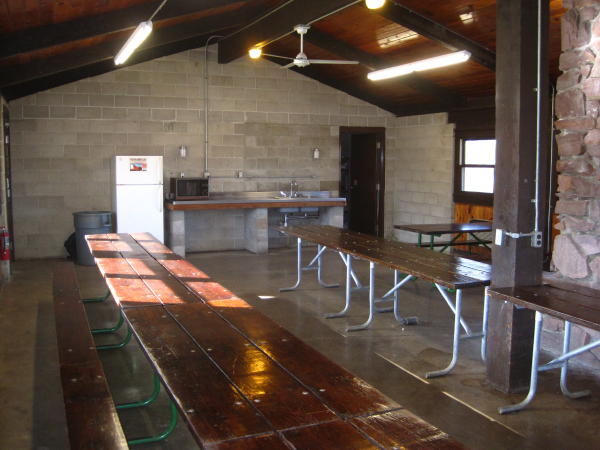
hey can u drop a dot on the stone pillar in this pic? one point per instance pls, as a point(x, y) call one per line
point(332, 215)
point(256, 230)
point(576, 252)
point(176, 232)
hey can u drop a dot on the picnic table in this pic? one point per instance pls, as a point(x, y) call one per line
point(238, 379)
point(447, 272)
point(456, 229)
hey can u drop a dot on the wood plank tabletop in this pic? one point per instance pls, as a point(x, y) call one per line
point(446, 228)
point(450, 271)
point(576, 307)
point(239, 379)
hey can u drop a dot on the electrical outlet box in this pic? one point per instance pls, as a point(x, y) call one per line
point(206, 174)
point(536, 239)
point(500, 237)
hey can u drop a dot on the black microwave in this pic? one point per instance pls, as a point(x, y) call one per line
point(189, 189)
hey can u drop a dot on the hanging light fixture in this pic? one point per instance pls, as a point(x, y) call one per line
point(374, 4)
point(139, 35)
point(417, 66)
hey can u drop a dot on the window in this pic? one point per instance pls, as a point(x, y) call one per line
point(474, 170)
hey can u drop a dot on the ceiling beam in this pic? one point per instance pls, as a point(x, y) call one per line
point(351, 89)
point(437, 32)
point(41, 68)
point(276, 24)
point(98, 68)
point(413, 81)
point(60, 33)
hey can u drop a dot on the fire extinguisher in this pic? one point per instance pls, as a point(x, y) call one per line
point(4, 244)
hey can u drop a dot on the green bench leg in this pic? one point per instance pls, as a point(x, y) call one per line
point(146, 402)
point(121, 344)
point(96, 299)
point(162, 436)
point(111, 329)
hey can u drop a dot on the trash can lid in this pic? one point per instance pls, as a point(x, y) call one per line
point(83, 213)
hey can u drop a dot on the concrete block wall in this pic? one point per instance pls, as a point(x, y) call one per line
point(263, 121)
point(421, 171)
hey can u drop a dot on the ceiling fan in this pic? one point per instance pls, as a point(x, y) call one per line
point(301, 60)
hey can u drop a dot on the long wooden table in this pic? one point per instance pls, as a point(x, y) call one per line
point(238, 379)
point(457, 229)
point(447, 272)
point(573, 304)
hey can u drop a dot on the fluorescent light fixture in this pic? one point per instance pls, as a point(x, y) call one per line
point(139, 35)
point(255, 52)
point(417, 66)
point(374, 4)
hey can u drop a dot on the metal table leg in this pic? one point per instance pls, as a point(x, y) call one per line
point(535, 356)
point(354, 277)
point(456, 337)
point(565, 367)
point(484, 325)
point(371, 300)
point(320, 250)
point(298, 266)
point(343, 312)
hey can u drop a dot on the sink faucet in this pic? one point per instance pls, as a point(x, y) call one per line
point(293, 188)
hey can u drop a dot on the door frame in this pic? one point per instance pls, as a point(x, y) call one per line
point(7, 181)
point(379, 133)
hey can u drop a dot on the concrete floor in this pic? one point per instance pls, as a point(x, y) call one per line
point(389, 356)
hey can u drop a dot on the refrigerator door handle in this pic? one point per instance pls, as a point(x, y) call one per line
point(160, 199)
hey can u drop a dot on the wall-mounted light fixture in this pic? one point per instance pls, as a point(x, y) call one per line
point(139, 35)
point(255, 52)
point(417, 66)
point(182, 152)
point(316, 153)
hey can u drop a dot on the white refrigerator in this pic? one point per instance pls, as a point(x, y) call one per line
point(138, 194)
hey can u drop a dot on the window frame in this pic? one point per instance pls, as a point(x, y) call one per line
point(460, 196)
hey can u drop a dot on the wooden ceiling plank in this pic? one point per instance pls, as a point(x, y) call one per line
point(60, 33)
point(413, 81)
point(430, 29)
point(276, 24)
point(17, 74)
point(98, 68)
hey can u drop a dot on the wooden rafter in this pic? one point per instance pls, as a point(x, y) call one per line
point(160, 38)
point(60, 33)
point(100, 67)
point(416, 82)
point(276, 24)
point(437, 32)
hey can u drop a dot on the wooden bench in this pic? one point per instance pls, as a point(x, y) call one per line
point(91, 414)
point(238, 379)
point(446, 272)
point(573, 304)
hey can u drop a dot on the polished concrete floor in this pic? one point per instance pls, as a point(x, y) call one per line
point(388, 355)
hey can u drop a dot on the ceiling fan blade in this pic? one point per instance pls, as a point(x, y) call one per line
point(331, 61)
point(287, 66)
point(277, 56)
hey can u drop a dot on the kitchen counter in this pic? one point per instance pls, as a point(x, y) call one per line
point(255, 206)
point(236, 203)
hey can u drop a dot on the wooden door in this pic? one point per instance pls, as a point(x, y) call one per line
point(362, 179)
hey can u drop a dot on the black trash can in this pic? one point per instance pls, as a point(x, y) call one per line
point(89, 222)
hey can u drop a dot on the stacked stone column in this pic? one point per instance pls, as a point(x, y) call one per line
point(577, 249)
point(576, 254)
